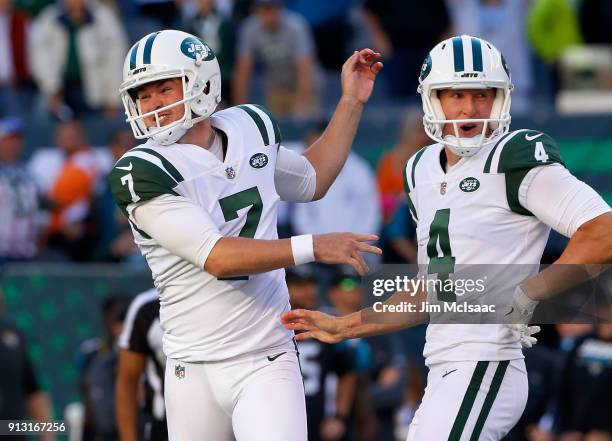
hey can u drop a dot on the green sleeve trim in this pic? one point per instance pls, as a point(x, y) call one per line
point(142, 182)
point(258, 122)
point(167, 164)
point(277, 133)
point(527, 150)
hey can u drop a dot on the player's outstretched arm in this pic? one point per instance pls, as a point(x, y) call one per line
point(367, 322)
point(328, 154)
point(235, 256)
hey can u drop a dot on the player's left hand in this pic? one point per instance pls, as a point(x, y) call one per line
point(524, 334)
point(359, 73)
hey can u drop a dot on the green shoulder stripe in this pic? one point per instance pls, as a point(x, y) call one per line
point(521, 153)
point(499, 144)
point(277, 133)
point(167, 164)
point(407, 191)
point(258, 122)
point(414, 163)
point(135, 179)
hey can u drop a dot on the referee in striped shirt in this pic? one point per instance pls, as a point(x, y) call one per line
point(141, 361)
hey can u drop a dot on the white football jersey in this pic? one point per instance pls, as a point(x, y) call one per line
point(469, 215)
point(205, 318)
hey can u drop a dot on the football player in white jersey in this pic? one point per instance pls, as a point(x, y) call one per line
point(481, 194)
point(201, 195)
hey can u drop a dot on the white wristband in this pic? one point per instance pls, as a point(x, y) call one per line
point(302, 248)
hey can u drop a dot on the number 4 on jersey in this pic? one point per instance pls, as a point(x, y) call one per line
point(540, 153)
point(443, 265)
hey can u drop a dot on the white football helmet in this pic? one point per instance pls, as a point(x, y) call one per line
point(171, 54)
point(465, 62)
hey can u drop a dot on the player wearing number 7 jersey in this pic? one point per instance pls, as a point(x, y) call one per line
point(481, 194)
point(201, 196)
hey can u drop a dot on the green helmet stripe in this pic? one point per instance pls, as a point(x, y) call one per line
point(133, 56)
point(146, 55)
point(476, 55)
point(458, 54)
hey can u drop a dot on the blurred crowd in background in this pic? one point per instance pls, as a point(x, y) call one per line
point(61, 64)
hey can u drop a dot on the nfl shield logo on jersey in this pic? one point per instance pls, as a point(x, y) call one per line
point(230, 173)
point(443, 188)
point(179, 371)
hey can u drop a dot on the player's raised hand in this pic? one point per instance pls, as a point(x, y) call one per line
point(345, 248)
point(313, 324)
point(359, 73)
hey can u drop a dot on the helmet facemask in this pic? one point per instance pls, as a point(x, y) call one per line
point(465, 63)
point(166, 55)
point(494, 127)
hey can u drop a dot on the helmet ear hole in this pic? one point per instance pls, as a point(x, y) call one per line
point(207, 88)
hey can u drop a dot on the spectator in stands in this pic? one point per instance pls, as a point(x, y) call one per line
point(584, 401)
point(115, 241)
point(552, 26)
point(330, 26)
point(501, 22)
point(161, 14)
point(282, 42)
point(345, 297)
point(543, 372)
point(77, 49)
point(595, 19)
point(97, 367)
point(21, 397)
point(399, 237)
point(351, 204)
point(18, 197)
point(390, 170)
point(404, 32)
point(204, 20)
point(141, 357)
point(322, 364)
point(16, 84)
point(66, 177)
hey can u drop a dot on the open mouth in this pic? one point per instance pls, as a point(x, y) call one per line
point(467, 129)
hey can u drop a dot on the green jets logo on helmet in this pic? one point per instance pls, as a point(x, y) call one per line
point(426, 68)
point(192, 46)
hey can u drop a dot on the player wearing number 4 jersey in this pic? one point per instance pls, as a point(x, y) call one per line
point(201, 196)
point(481, 194)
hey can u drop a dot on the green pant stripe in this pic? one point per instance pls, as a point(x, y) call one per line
point(458, 54)
point(167, 164)
point(468, 401)
point(277, 134)
point(490, 399)
point(146, 54)
point(259, 122)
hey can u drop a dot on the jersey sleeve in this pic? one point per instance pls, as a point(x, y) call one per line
point(135, 180)
point(524, 151)
point(264, 121)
